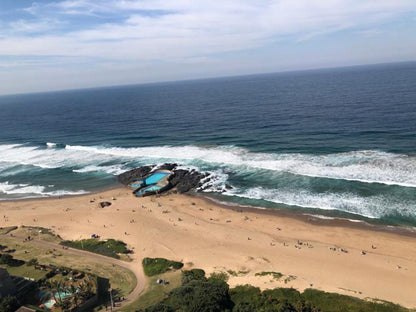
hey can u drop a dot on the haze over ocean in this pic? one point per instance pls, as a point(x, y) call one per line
point(337, 142)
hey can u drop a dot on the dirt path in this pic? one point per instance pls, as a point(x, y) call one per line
point(133, 266)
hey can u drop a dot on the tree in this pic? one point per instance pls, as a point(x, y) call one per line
point(32, 261)
point(191, 275)
point(9, 304)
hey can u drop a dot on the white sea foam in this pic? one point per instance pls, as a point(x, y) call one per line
point(214, 182)
point(363, 166)
point(50, 144)
point(34, 190)
point(320, 216)
point(114, 169)
point(370, 207)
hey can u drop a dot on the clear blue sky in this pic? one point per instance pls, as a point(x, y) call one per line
point(52, 45)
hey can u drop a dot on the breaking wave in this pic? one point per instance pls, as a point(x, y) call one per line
point(370, 207)
point(34, 190)
point(372, 170)
point(362, 166)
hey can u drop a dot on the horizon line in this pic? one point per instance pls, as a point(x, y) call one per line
point(205, 78)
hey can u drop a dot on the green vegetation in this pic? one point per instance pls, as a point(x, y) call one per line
point(154, 266)
point(191, 275)
point(122, 280)
point(110, 247)
point(290, 278)
point(339, 303)
point(276, 275)
point(9, 304)
point(32, 261)
point(10, 261)
point(26, 271)
point(155, 292)
point(38, 229)
point(6, 230)
point(222, 276)
point(198, 293)
point(239, 273)
point(37, 232)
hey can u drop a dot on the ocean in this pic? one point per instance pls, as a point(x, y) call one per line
point(334, 142)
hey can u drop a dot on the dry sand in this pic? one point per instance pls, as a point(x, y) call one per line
point(205, 235)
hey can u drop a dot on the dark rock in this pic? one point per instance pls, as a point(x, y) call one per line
point(184, 180)
point(168, 166)
point(137, 173)
point(228, 187)
point(105, 204)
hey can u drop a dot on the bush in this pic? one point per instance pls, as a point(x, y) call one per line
point(199, 295)
point(155, 266)
point(8, 259)
point(160, 307)
point(336, 302)
point(276, 275)
point(193, 275)
point(222, 276)
point(109, 248)
point(32, 261)
point(9, 304)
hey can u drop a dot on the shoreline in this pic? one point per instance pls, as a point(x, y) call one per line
point(93, 192)
point(323, 254)
point(315, 219)
point(307, 217)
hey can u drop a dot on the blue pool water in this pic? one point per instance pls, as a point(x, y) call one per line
point(137, 183)
point(147, 189)
point(155, 177)
point(337, 142)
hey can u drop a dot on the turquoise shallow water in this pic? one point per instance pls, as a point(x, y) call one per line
point(337, 142)
point(156, 177)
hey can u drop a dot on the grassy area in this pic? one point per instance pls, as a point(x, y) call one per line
point(155, 292)
point(155, 266)
point(25, 271)
point(36, 232)
point(111, 247)
point(276, 275)
point(6, 230)
point(121, 279)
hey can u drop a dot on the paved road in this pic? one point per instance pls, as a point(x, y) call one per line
point(134, 266)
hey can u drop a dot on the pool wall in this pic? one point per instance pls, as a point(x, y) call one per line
point(155, 182)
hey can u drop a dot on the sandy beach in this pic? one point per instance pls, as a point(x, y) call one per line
point(337, 257)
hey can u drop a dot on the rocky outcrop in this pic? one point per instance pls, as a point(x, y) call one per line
point(104, 204)
point(182, 180)
point(185, 180)
point(132, 175)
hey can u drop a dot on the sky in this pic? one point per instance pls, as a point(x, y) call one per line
point(55, 45)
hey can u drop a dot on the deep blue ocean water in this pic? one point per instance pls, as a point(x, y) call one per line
point(335, 142)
